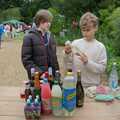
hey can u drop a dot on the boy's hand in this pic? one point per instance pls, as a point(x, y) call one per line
point(82, 57)
point(67, 49)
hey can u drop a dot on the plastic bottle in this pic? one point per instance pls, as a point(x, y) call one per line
point(28, 110)
point(79, 91)
point(69, 94)
point(32, 81)
point(36, 109)
point(50, 76)
point(56, 99)
point(46, 97)
point(113, 78)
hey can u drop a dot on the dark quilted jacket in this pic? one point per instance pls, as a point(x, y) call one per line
point(36, 54)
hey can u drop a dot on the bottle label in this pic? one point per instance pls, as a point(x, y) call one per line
point(56, 103)
point(79, 102)
point(29, 114)
point(69, 99)
point(36, 112)
point(46, 104)
point(114, 84)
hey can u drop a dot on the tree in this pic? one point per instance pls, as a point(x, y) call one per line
point(34, 5)
point(6, 4)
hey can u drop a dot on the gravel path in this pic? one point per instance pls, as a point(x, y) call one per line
point(12, 72)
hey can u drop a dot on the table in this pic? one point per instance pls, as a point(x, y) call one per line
point(11, 108)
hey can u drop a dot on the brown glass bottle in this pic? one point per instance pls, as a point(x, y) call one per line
point(27, 91)
point(36, 84)
point(79, 91)
point(36, 80)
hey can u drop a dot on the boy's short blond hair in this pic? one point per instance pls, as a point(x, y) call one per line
point(43, 16)
point(87, 19)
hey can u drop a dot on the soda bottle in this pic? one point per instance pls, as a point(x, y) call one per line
point(113, 78)
point(28, 110)
point(36, 109)
point(46, 97)
point(69, 94)
point(79, 91)
point(56, 99)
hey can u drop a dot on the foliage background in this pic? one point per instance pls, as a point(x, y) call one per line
point(64, 12)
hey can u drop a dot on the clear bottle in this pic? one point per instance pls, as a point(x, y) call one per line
point(56, 99)
point(79, 91)
point(28, 110)
point(36, 109)
point(113, 78)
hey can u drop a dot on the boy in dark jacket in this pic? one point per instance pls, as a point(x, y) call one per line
point(39, 47)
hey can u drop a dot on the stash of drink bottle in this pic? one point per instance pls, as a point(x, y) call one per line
point(39, 97)
point(32, 109)
point(42, 99)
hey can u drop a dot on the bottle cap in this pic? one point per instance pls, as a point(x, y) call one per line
point(45, 80)
point(36, 102)
point(30, 97)
point(37, 96)
point(28, 102)
point(67, 42)
point(32, 70)
point(46, 74)
point(69, 73)
point(50, 70)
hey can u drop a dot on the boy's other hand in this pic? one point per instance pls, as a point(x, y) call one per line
point(83, 57)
